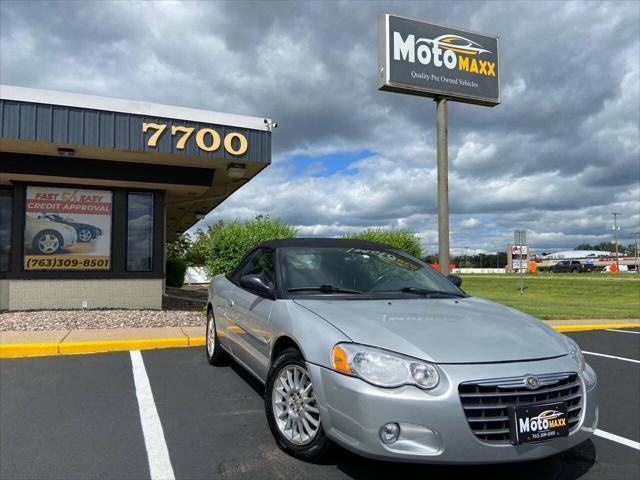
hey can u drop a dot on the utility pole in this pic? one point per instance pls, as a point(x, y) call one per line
point(637, 234)
point(520, 239)
point(615, 227)
point(466, 260)
point(443, 185)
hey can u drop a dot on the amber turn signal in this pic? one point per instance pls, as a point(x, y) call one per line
point(339, 360)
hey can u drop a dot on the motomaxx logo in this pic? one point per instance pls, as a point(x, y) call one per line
point(448, 50)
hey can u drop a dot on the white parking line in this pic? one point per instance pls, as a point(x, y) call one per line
point(612, 356)
point(157, 453)
point(621, 331)
point(617, 439)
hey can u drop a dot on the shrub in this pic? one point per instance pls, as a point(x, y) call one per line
point(229, 242)
point(402, 239)
point(176, 268)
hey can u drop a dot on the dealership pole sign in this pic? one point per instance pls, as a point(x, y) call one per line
point(429, 60)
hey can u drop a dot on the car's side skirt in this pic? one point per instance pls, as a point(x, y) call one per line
point(243, 365)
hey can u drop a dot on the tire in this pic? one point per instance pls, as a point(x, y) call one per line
point(47, 242)
point(84, 235)
point(215, 354)
point(280, 405)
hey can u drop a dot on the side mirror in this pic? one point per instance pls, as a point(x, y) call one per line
point(256, 285)
point(455, 279)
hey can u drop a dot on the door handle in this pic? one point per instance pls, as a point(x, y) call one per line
point(231, 303)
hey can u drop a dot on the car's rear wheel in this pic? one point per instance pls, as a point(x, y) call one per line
point(292, 410)
point(84, 235)
point(47, 242)
point(215, 354)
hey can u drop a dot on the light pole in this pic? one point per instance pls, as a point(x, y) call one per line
point(615, 227)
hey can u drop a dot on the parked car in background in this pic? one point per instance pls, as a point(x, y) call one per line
point(86, 232)
point(47, 237)
point(363, 345)
point(571, 266)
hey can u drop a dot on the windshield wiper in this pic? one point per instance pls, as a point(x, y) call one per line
point(426, 291)
point(324, 289)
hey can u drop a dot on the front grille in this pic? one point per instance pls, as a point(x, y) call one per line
point(486, 402)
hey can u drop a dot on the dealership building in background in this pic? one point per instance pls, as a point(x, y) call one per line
point(92, 188)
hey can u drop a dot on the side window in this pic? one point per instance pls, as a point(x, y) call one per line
point(237, 273)
point(261, 262)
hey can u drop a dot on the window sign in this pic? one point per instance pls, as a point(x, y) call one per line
point(67, 229)
point(140, 232)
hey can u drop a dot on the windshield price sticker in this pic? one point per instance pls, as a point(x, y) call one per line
point(538, 423)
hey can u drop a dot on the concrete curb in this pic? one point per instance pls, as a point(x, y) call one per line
point(62, 347)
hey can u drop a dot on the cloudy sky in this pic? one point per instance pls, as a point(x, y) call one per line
point(558, 155)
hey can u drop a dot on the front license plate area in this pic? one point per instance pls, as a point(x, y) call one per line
point(538, 423)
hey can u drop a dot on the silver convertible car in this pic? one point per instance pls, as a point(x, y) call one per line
point(366, 346)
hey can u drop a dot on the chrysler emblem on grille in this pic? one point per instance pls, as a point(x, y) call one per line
point(532, 382)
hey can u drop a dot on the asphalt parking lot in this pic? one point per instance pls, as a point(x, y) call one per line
point(78, 417)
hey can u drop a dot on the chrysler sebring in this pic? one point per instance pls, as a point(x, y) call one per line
point(366, 346)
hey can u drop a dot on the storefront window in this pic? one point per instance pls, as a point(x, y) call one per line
point(67, 229)
point(6, 200)
point(140, 232)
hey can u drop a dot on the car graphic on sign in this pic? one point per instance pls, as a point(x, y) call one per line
point(86, 232)
point(47, 237)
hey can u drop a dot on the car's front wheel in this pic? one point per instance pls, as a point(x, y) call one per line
point(292, 410)
point(47, 242)
point(215, 355)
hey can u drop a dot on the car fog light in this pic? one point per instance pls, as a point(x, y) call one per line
point(389, 433)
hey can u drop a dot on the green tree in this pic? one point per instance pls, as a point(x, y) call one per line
point(227, 243)
point(197, 254)
point(180, 247)
point(402, 239)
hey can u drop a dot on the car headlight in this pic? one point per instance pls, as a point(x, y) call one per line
point(576, 353)
point(383, 368)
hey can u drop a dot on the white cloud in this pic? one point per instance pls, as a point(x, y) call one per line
point(559, 153)
point(470, 222)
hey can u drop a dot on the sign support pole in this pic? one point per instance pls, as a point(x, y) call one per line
point(443, 185)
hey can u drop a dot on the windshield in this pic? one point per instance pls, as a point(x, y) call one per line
point(360, 271)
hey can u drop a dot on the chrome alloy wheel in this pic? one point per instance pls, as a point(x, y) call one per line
point(48, 243)
point(211, 335)
point(294, 405)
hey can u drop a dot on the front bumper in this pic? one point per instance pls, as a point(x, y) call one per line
point(433, 425)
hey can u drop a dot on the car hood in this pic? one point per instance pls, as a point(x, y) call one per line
point(464, 330)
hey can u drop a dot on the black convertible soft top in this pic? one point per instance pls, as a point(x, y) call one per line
point(323, 242)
